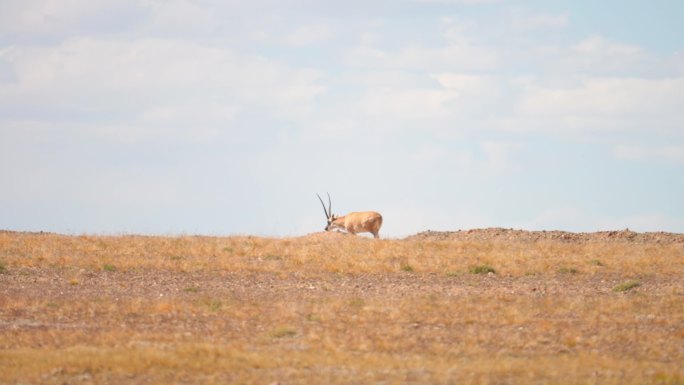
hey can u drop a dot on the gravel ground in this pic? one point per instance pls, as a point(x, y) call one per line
point(501, 234)
point(559, 318)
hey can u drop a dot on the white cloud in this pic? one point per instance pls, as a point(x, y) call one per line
point(402, 221)
point(374, 79)
point(661, 153)
point(541, 21)
point(623, 104)
point(452, 57)
point(598, 55)
point(456, 1)
point(499, 155)
point(400, 101)
point(559, 218)
point(457, 31)
point(648, 221)
point(435, 156)
point(573, 219)
point(54, 20)
point(404, 103)
point(149, 84)
point(465, 84)
point(400, 95)
point(308, 35)
point(600, 45)
point(178, 14)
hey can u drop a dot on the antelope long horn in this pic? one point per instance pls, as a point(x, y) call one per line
point(323, 204)
point(329, 206)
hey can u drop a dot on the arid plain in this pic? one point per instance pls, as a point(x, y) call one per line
point(490, 306)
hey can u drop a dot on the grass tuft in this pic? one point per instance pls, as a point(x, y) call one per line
point(626, 286)
point(3, 269)
point(482, 269)
point(567, 270)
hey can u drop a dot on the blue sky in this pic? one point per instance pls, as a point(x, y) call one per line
point(215, 117)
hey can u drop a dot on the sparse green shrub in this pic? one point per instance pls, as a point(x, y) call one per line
point(109, 268)
point(407, 268)
point(453, 274)
point(3, 269)
point(567, 270)
point(214, 305)
point(191, 289)
point(176, 257)
point(482, 269)
point(596, 262)
point(357, 303)
point(284, 331)
point(668, 379)
point(625, 286)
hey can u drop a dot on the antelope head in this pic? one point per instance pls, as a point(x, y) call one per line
point(329, 216)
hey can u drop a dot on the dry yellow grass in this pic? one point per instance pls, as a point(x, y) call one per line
point(330, 308)
point(335, 253)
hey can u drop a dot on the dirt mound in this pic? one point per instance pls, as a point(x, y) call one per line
point(501, 234)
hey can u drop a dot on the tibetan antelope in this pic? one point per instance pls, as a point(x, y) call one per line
point(361, 222)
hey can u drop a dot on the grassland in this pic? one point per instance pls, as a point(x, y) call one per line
point(337, 309)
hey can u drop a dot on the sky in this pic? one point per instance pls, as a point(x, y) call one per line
point(228, 117)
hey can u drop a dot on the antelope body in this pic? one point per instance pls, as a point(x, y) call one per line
point(353, 223)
